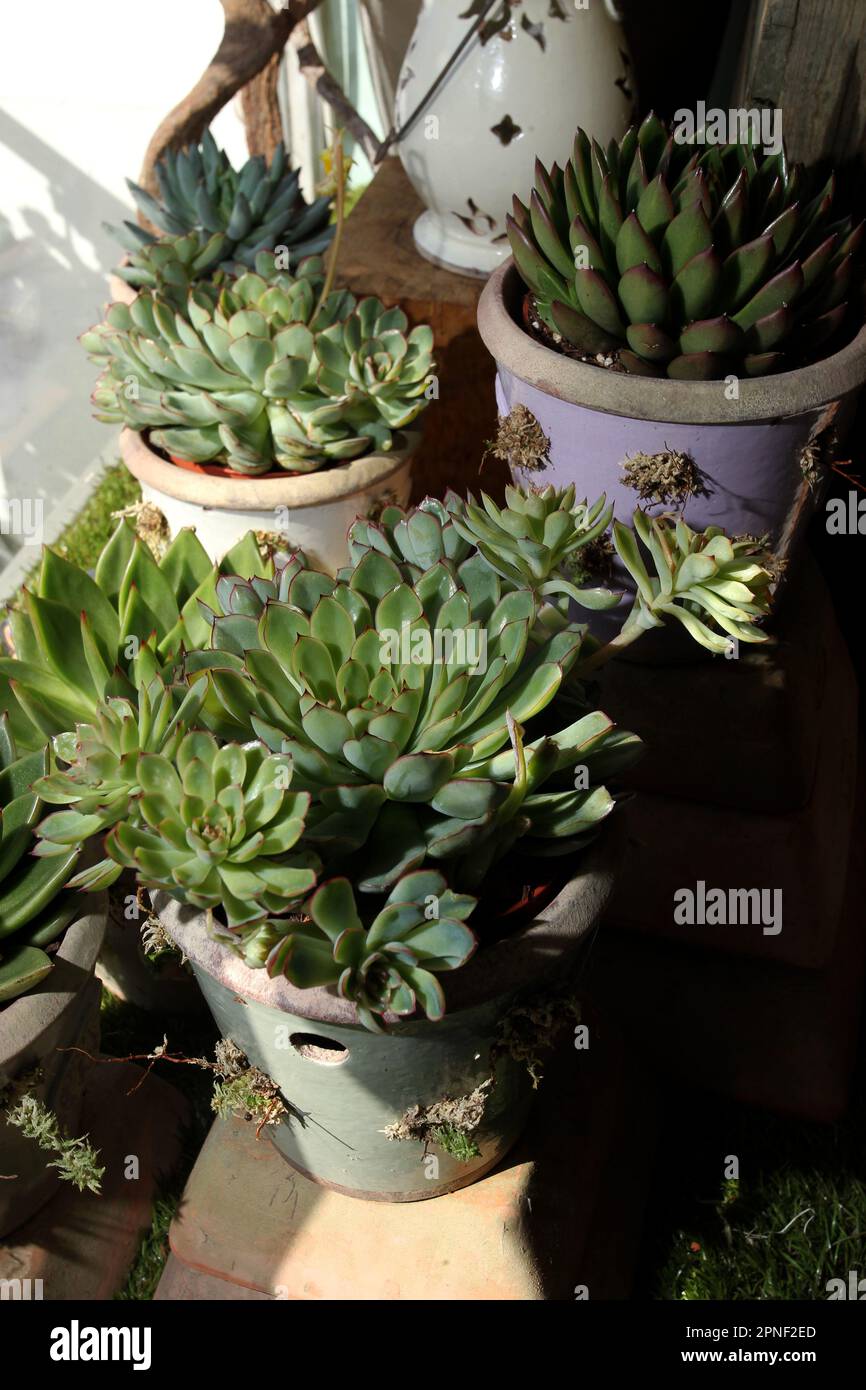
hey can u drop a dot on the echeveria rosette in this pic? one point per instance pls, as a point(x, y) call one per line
point(691, 261)
point(242, 211)
point(702, 579)
point(390, 965)
point(99, 785)
point(534, 537)
point(34, 906)
point(215, 826)
point(173, 265)
point(528, 543)
point(80, 638)
point(393, 738)
point(259, 373)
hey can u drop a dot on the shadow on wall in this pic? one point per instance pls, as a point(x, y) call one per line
point(52, 287)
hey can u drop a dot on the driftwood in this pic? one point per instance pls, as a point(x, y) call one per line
point(261, 107)
point(248, 60)
point(254, 35)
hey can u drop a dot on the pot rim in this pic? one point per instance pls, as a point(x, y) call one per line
point(525, 958)
point(264, 493)
point(658, 398)
point(25, 1019)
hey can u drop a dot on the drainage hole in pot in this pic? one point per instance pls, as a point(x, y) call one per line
point(318, 1049)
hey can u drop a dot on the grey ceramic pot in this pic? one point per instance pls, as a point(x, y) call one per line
point(749, 450)
point(61, 1011)
point(345, 1085)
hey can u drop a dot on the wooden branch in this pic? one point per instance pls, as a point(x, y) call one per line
point(261, 108)
point(254, 33)
point(329, 90)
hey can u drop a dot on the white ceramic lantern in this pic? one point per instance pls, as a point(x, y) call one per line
point(532, 73)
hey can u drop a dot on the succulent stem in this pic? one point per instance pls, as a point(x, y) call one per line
point(340, 209)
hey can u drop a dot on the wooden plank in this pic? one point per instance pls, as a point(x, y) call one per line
point(378, 257)
point(808, 58)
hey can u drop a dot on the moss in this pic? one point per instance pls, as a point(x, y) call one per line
point(244, 1091)
point(85, 536)
point(75, 1159)
point(761, 552)
point(532, 1026)
point(150, 526)
point(668, 478)
point(520, 441)
point(449, 1122)
point(593, 561)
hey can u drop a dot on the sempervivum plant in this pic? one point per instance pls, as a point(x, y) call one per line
point(34, 909)
point(78, 638)
point(255, 208)
point(690, 261)
point(215, 827)
point(386, 964)
point(99, 782)
point(527, 543)
point(263, 371)
point(406, 701)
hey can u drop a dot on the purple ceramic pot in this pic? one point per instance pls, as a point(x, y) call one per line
point(748, 446)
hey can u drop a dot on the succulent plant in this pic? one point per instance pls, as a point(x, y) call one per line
point(527, 543)
point(688, 262)
point(34, 908)
point(700, 577)
point(215, 826)
point(172, 265)
point(389, 965)
point(415, 707)
point(100, 782)
point(259, 372)
point(394, 701)
point(252, 209)
point(78, 638)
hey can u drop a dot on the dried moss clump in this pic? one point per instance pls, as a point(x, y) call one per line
point(450, 1123)
point(76, 1160)
point(668, 478)
point(520, 441)
point(243, 1091)
point(271, 543)
point(532, 1027)
point(763, 554)
point(150, 526)
point(593, 562)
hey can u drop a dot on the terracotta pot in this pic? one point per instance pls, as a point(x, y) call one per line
point(749, 450)
point(345, 1085)
point(313, 510)
point(61, 1011)
point(120, 291)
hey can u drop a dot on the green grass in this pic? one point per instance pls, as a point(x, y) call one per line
point(152, 1254)
point(87, 533)
point(794, 1219)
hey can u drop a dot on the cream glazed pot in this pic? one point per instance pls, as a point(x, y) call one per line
point(533, 73)
point(312, 510)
